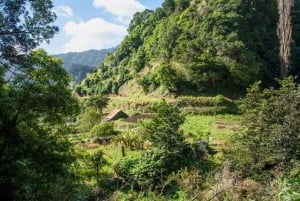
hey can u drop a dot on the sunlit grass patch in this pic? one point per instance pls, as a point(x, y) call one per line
point(218, 127)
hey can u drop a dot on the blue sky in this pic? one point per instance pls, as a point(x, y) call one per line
point(93, 24)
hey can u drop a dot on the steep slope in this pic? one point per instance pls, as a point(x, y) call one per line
point(78, 64)
point(197, 46)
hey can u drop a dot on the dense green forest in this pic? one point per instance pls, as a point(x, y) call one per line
point(78, 64)
point(198, 46)
point(198, 102)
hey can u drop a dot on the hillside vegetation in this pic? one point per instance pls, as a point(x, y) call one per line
point(78, 64)
point(197, 46)
point(158, 119)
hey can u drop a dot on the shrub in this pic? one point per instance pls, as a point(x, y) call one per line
point(189, 181)
point(89, 119)
point(271, 122)
point(163, 130)
point(103, 130)
point(96, 162)
point(220, 99)
point(166, 155)
point(150, 170)
point(130, 139)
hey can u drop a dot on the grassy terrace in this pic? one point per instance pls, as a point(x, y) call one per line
point(215, 128)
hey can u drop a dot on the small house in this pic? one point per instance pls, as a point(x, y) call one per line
point(115, 115)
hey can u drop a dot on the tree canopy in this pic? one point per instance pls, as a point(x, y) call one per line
point(36, 105)
point(24, 25)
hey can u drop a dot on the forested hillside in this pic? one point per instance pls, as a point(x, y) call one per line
point(175, 132)
point(198, 46)
point(78, 64)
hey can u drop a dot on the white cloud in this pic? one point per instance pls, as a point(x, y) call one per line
point(64, 11)
point(93, 34)
point(122, 9)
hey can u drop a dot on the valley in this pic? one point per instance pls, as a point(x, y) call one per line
point(199, 101)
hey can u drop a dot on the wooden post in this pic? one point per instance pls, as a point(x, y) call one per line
point(123, 151)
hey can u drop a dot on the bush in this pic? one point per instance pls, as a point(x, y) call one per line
point(163, 130)
point(220, 99)
point(130, 139)
point(271, 122)
point(96, 162)
point(150, 170)
point(103, 130)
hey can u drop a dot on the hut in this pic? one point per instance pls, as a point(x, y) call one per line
point(115, 114)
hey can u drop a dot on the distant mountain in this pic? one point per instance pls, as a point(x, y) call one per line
point(79, 71)
point(78, 64)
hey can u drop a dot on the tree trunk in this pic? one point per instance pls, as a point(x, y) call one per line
point(284, 32)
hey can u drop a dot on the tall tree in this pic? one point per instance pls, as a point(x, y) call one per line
point(284, 31)
point(98, 101)
point(34, 110)
point(163, 130)
point(35, 105)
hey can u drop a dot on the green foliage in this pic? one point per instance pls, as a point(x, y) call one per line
point(90, 58)
point(97, 161)
point(271, 125)
point(104, 129)
point(130, 139)
point(225, 55)
point(36, 104)
point(168, 37)
point(162, 130)
point(168, 147)
point(213, 47)
point(88, 119)
point(189, 183)
point(79, 71)
point(149, 82)
point(99, 102)
point(290, 190)
point(205, 105)
point(296, 38)
point(163, 75)
point(79, 64)
point(139, 60)
point(150, 170)
point(195, 101)
point(220, 99)
point(215, 126)
point(92, 112)
point(168, 6)
point(167, 77)
point(24, 25)
point(141, 196)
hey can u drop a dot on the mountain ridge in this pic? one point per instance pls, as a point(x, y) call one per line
point(78, 64)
